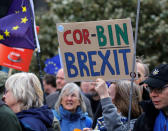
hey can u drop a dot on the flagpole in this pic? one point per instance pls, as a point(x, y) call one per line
point(40, 73)
point(10, 72)
point(134, 62)
point(37, 49)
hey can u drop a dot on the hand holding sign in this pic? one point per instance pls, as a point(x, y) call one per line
point(101, 88)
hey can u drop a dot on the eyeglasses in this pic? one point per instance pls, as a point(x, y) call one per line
point(157, 90)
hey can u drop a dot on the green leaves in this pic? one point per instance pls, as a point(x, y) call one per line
point(153, 24)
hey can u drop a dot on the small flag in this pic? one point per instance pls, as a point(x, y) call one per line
point(17, 26)
point(52, 65)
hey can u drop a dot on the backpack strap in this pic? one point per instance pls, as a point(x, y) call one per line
point(56, 123)
point(55, 113)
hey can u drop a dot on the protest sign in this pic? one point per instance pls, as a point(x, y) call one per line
point(95, 49)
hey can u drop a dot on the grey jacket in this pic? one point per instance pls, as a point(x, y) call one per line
point(52, 99)
point(112, 119)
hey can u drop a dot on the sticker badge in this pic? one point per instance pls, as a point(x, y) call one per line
point(60, 28)
point(155, 72)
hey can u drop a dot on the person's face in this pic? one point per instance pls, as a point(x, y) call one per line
point(10, 100)
point(92, 90)
point(159, 97)
point(46, 87)
point(71, 101)
point(60, 82)
point(85, 86)
point(141, 73)
point(112, 91)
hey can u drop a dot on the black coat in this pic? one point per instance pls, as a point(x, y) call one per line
point(146, 121)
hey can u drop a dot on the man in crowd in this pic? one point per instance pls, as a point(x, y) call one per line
point(94, 98)
point(49, 84)
point(60, 82)
point(85, 86)
point(155, 113)
point(8, 119)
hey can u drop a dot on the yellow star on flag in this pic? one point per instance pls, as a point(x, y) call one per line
point(16, 12)
point(15, 27)
point(7, 33)
point(24, 9)
point(24, 20)
point(1, 37)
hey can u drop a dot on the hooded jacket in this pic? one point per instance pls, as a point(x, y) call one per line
point(70, 121)
point(36, 119)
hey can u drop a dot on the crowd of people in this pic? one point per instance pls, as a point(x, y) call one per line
point(87, 105)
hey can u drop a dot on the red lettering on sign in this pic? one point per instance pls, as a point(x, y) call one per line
point(85, 36)
point(78, 36)
point(65, 37)
point(78, 41)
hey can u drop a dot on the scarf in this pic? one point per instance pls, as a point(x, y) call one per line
point(161, 122)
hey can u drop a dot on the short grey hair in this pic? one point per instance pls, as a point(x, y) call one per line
point(26, 88)
point(70, 88)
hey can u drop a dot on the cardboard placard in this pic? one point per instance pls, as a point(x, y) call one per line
point(95, 49)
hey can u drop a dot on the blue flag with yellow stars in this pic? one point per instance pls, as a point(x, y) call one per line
point(52, 65)
point(17, 27)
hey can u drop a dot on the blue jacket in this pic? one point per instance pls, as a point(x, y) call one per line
point(70, 121)
point(36, 119)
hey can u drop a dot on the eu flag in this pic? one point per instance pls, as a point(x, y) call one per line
point(52, 65)
point(17, 27)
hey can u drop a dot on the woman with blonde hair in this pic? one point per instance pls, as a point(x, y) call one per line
point(25, 97)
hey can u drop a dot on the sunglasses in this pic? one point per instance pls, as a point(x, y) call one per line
point(139, 75)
